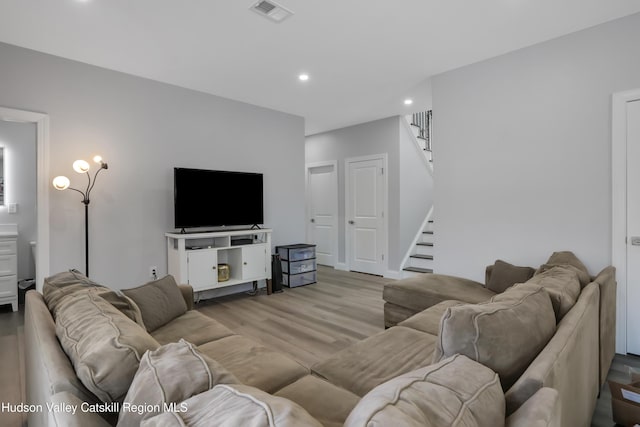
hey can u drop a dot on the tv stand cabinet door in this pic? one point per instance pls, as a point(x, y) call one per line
point(254, 264)
point(202, 268)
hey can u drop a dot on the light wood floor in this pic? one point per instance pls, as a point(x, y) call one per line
point(308, 323)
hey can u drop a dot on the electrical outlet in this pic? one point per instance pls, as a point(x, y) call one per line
point(153, 272)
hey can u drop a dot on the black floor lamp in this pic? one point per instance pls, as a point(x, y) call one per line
point(62, 183)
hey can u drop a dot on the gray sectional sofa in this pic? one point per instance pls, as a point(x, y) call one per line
point(89, 346)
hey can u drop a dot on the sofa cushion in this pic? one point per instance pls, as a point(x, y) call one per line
point(429, 320)
point(159, 301)
point(568, 258)
point(328, 403)
point(56, 287)
point(563, 286)
point(455, 392)
point(504, 275)
point(61, 285)
point(374, 360)
point(418, 293)
point(502, 335)
point(394, 314)
point(235, 405)
point(254, 364)
point(194, 327)
point(170, 374)
point(104, 345)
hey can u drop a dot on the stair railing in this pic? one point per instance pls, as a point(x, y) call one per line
point(424, 122)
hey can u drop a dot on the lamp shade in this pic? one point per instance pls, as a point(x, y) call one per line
point(61, 182)
point(81, 166)
point(97, 159)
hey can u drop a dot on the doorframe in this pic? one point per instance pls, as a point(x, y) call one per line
point(42, 187)
point(619, 102)
point(385, 208)
point(334, 186)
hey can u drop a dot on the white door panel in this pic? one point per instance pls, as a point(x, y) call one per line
point(322, 209)
point(366, 232)
point(633, 227)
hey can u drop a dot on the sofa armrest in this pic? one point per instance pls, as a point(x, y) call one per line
point(606, 281)
point(541, 410)
point(81, 418)
point(187, 294)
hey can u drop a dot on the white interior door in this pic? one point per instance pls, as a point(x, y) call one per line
point(633, 227)
point(365, 204)
point(322, 211)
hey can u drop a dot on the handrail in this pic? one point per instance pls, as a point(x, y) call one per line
point(424, 122)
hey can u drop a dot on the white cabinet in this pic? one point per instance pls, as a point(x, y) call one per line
point(254, 263)
point(202, 271)
point(196, 258)
point(9, 265)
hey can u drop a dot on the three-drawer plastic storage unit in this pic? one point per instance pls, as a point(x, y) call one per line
point(298, 264)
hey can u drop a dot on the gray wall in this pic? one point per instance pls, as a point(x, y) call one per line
point(523, 151)
point(19, 143)
point(143, 129)
point(380, 136)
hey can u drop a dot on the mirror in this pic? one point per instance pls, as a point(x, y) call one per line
point(1, 176)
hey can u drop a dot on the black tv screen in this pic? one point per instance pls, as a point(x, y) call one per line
point(208, 198)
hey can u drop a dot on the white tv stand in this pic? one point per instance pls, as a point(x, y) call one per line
point(194, 258)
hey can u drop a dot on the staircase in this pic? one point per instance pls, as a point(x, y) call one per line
point(420, 257)
point(421, 260)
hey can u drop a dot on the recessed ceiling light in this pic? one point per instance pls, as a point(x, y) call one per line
point(303, 77)
point(408, 101)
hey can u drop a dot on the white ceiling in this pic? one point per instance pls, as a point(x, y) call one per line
point(364, 56)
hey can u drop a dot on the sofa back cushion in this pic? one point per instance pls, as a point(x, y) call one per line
point(454, 392)
point(160, 301)
point(104, 345)
point(568, 259)
point(503, 275)
point(67, 283)
point(504, 335)
point(170, 374)
point(234, 405)
point(563, 286)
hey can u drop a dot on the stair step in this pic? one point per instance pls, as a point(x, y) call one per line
point(421, 137)
point(413, 124)
point(421, 256)
point(424, 244)
point(418, 270)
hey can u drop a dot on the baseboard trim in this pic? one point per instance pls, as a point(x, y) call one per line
point(393, 274)
point(341, 266)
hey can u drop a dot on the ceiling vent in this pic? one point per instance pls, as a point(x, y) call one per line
point(271, 10)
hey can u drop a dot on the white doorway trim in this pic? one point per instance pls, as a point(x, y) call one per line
point(385, 203)
point(334, 186)
point(619, 208)
point(42, 199)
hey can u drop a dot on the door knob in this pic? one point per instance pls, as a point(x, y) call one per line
point(313, 220)
point(351, 222)
point(635, 240)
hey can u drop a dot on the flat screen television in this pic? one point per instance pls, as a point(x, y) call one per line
point(209, 198)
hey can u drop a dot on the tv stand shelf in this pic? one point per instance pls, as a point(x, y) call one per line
point(194, 258)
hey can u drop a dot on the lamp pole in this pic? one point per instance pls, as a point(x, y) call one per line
point(86, 237)
point(62, 183)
